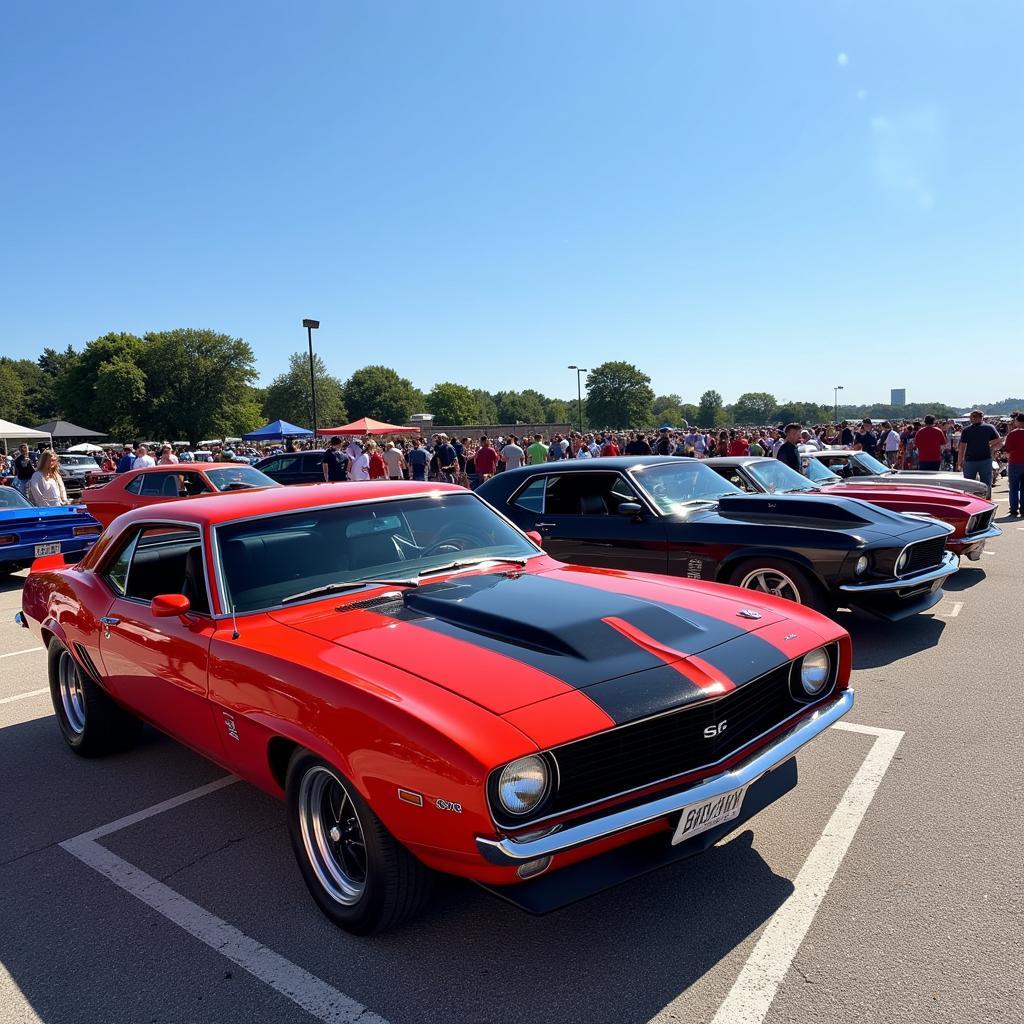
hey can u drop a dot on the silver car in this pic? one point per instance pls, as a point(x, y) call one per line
point(866, 469)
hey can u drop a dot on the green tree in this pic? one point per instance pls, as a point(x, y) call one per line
point(53, 366)
point(76, 385)
point(557, 411)
point(199, 384)
point(689, 412)
point(121, 393)
point(287, 397)
point(665, 404)
point(619, 395)
point(520, 406)
point(453, 404)
point(487, 408)
point(12, 392)
point(755, 408)
point(710, 411)
point(380, 393)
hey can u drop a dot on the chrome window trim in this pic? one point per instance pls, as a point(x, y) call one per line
point(427, 493)
point(801, 710)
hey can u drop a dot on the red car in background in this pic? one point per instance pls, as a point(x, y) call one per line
point(155, 484)
point(969, 515)
point(429, 691)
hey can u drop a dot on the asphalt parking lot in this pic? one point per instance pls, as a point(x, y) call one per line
point(889, 886)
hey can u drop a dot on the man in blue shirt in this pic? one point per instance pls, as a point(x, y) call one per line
point(865, 441)
point(418, 460)
point(127, 460)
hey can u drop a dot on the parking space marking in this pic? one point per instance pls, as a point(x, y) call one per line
point(316, 997)
point(752, 994)
point(955, 610)
point(24, 696)
point(27, 650)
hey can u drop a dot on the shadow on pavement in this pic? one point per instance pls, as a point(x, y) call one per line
point(877, 643)
point(968, 576)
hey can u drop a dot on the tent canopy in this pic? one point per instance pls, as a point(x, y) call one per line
point(85, 447)
point(277, 431)
point(367, 426)
point(60, 429)
point(13, 432)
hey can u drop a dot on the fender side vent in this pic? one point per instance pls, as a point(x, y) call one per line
point(86, 662)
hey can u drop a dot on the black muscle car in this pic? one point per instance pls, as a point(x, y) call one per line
point(679, 517)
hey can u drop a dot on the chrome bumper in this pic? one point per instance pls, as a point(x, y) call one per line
point(510, 852)
point(989, 534)
point(950, 564)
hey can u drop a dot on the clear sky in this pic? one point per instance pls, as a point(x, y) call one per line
point(738, 195)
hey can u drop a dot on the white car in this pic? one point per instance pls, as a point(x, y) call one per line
point(866, 469)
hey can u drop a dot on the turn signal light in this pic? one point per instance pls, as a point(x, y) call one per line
point(8, 538)
point(85, 531)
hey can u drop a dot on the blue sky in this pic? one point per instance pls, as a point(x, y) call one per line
point(743, 196)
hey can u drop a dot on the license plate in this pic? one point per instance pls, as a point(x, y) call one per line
point(709, 813)
point(48, 549)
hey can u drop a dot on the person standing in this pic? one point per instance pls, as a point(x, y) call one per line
point(866, 440)
point(979, 441)
point(46, 486)
point(845, 434)
point(396, 462)
point(143, 460)
point(511, 454)
point(447, 460)
point(1014, 448)
point(378, 466)
point(787, 452)
point(334, 462)
point(890, 442)
point(23, 467)
point(167, 456)
point(537, 453)
point(929, 441)
point(359, 468)
point(486, 459)
point(418, 460)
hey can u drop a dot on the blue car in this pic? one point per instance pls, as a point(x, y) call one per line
point(27, 532)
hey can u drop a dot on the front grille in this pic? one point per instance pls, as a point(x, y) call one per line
point(655, 749)
point(981, 521)
point(925, 554)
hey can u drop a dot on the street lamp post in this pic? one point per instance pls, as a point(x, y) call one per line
point(835, 400)
point(312, 325)
point(579, 392)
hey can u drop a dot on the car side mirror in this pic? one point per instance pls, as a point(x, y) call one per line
point(630, 508)
point(536, 538)
point(169, 606)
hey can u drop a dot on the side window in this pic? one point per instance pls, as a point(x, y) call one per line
point(733, 476)
point(167, 560)
point(135, 486)
point(276, 465)
point(117, 573)
point(588, 494)
point(531, 497)
point(193, 484)
point(156, 485)
point(621, 492)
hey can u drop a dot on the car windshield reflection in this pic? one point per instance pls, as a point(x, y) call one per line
point(235, 477)
point(777, 478)
point(676, 485)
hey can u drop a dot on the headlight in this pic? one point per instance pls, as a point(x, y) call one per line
point(902, 562)
point(814, 672)
point(523, 784)
point(972, 524)
point(862, 565)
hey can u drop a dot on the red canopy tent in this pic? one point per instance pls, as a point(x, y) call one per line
point(367, 426)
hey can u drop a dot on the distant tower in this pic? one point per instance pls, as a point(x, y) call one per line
point(897, 396)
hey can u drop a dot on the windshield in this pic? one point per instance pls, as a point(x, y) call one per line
point(777, 478)
point(268, 560)
point(870, 462)
point(235, 477)
point(79, 461)
point(819, 473)
point(675, 485)
point(10, 498)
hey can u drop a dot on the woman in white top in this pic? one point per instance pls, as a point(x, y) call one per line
point(46, 486)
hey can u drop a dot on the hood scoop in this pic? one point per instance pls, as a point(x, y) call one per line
point(821, 508)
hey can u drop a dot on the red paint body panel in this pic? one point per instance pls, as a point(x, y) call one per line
point(388, 702)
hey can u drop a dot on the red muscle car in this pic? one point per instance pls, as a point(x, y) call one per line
point(155, 484)
point(428, 691)
point(969, 515)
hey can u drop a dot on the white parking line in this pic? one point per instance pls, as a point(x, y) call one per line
point(955, 611)
point(27, 650)
point(752, 994)
point(24, 696)
point(315, 996)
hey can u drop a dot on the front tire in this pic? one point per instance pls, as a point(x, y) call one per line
point(91, 723)
point(780, 579)
point(360, 876)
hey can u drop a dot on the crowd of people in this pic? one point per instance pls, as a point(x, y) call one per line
point(927, 444)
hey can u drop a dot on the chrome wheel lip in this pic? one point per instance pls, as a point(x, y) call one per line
point(331, 859)
point(72, 699)
point(772, 581)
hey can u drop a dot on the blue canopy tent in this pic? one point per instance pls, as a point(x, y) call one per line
point(279, 430)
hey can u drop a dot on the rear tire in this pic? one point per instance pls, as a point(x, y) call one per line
point(360, 876)
point(781, 579)
point(91, 723)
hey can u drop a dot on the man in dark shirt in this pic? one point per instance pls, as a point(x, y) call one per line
point(447, 460)
point(418, 460)
point(127, 460)
point(664, 445)
point(638, 445)
point(979, 441)
point(788, 454)
point(845, 435)
point(23, 466)
point(865, 441)
point(335, 462)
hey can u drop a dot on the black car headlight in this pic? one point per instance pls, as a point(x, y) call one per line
point(523, 784)
point(815, 671)
point(902, 562)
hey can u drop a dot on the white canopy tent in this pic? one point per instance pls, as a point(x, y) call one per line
point(85, 448)
point(13, 432)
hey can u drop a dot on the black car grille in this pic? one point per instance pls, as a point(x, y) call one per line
point(660, 748)
point(981, 521)
point(925, 554)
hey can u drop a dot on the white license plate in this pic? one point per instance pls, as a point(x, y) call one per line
point(709, 813)
point(48, 549)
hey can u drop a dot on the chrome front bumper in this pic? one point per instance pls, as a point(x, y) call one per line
point(950, 564)
point(511, 852)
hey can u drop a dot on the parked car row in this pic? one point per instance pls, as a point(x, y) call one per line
point(542, 686)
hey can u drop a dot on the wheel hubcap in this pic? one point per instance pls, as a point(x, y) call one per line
point(69, 682)
point(332, 835)
point(771, 581)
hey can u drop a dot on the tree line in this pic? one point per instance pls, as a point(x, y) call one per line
point(192, 384)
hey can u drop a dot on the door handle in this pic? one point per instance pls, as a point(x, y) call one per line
point(545, 526)
point(108, 621)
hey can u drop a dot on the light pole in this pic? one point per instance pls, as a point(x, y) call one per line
point(835, 398)
point(312, 325)
point(579, 392)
